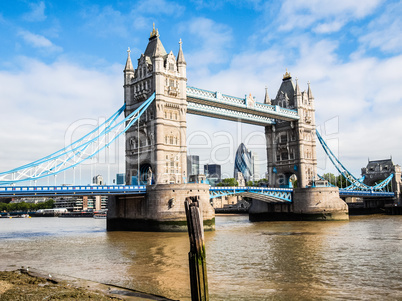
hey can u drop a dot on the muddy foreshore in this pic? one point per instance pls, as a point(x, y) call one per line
point(32, 284)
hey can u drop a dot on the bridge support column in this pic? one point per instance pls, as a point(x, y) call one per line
point(162, 209)
point(319, 203)
point(314, 204)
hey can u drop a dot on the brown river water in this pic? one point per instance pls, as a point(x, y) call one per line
point(356, 260)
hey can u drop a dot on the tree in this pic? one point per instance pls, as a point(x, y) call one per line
point(3, 207)
point(341, 181)
point(330, 177)
point(228, 182)
point(49, 204)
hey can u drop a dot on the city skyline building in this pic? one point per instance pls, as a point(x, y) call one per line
point(120, 179)
point(193, 165)
point(244, 163)
point(98, 180)
point(213, 173)
point(82, 203)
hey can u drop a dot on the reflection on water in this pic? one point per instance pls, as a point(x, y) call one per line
point(360, 259)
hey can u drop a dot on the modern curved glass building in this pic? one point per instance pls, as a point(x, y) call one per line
point(244, 163)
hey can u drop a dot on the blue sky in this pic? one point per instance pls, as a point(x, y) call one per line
point(62, 61)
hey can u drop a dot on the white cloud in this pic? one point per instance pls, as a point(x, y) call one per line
point(160, 7)
point(108, 21)
point(40, 102)
point(385, 32)
point(105, 21)
point(37, 12)
point(324, 16)
point(38, 41)
point(329, 27)
point(212, 42)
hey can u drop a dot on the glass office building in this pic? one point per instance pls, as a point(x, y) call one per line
point(213, 173)
point(193, 166)
point(244, 163)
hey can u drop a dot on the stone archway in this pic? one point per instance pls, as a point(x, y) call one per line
point(144, 168)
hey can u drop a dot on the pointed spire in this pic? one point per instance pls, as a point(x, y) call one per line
point(286, 75)
point(154, 47)
point(180, 55)
point(266, 99)
point(129, 65)
point(154, 33)
point(297, 89)
point(309, 93)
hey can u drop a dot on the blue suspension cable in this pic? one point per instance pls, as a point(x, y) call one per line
point(77, 148)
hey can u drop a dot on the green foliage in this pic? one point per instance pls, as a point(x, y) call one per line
point(339, 181)
point(330, 177)
point(3, 207)
point(261, 182)
point(24, 207)
point(228, 182)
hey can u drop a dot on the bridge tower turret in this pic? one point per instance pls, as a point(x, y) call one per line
point(158, 140)
point(156, 152)
point(291, 151)
point(397, 183)
point(128, 76)
point(291, 146)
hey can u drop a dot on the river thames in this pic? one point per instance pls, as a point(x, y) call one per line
point(356, 260)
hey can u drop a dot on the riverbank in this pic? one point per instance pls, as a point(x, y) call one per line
point(32, 284)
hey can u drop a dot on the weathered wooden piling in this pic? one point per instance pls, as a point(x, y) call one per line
point(196, 256)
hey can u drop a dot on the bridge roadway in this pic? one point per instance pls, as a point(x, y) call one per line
point(267, 194)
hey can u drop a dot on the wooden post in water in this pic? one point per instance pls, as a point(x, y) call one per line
point(196, 256)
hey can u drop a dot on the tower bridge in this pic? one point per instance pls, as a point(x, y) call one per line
point(156, 145)
point(157, 100)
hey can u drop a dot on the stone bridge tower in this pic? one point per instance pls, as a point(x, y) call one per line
point(156, 153)
point(291, 146)
point(291, 150)
point(158, 140)
point(377, 171)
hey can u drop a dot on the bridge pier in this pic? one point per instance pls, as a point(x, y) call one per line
point(161, 209)
point(313, 204)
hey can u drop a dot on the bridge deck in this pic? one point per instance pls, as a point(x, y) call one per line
point(281, 194)
point(217, 105)
point(33, 191)
point(366, 194)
